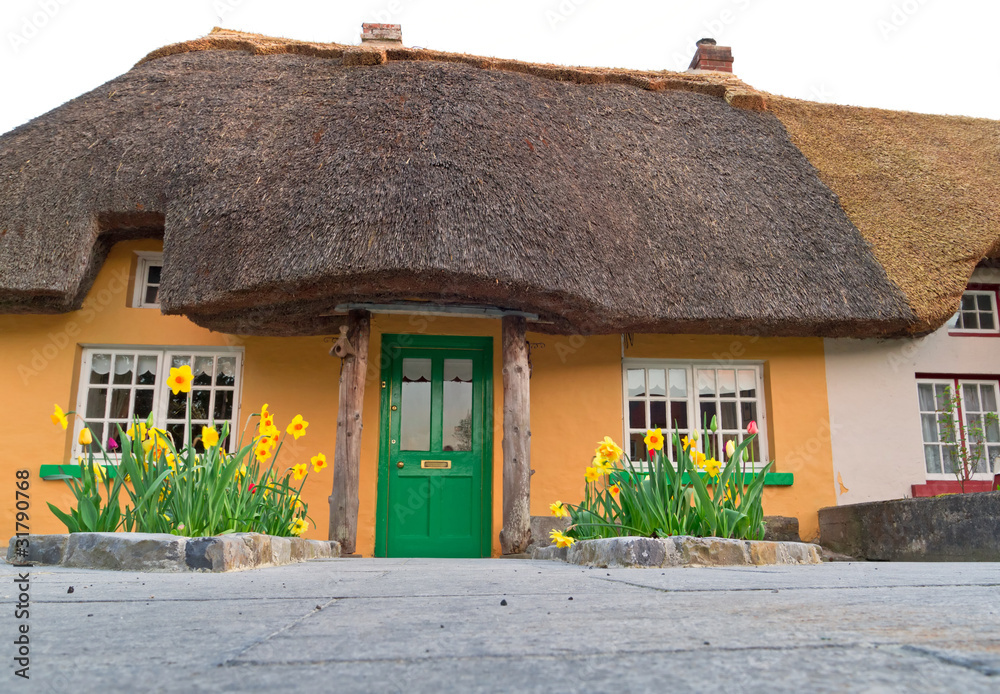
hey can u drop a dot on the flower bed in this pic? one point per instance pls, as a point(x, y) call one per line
point(695, 495)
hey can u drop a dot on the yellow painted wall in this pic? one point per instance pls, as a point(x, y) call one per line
point(575, 398)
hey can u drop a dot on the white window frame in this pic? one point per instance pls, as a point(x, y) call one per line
point(161, 393)
point(953, 323)
point(956, 384)
point(144, 261)
point(692, 401)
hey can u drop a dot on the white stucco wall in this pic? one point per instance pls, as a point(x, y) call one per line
point(874, 417)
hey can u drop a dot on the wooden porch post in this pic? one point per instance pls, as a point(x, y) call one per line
point(516, 532)
point(347, 452)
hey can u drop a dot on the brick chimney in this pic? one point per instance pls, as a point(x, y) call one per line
point(712, 57)
point(382, 34)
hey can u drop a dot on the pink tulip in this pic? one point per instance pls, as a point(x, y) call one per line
point(752, 428)
point(112, 444)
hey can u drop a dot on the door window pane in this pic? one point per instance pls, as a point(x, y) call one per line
point(636, 382)
point(658, 414)
point(415, 405)
point(457, 405)
point(123, 368)
point(678, 383)
point(657, 382)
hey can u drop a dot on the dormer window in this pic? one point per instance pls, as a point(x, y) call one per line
point(147, 280)
point(977, 314)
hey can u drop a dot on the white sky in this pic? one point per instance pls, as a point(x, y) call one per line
point(933, 56)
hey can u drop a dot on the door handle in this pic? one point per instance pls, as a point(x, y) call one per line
point(399, 464)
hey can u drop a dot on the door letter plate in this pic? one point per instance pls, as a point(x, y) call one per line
point(435, 464)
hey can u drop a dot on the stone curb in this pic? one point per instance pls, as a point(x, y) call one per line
point(160, 552)
point(648, 552)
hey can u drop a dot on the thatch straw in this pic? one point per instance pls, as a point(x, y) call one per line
point(924, 190)
point(289, 183)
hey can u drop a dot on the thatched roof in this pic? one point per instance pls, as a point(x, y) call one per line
point(287, 178)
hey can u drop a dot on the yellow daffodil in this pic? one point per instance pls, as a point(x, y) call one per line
point(687, 443)
point(209, 436)
point(730, 448)
point(593, 474)
point(180, 379)
point(603, 465)
point(297, 427)
point(58, 417)
point(698, 459)
point(654, 439)
point(143, 432)
point(86, 438)
point(609, 450)
point(560, 539)
point(559, 510)
point(298, 527)
point(262, 451)
point(299, 471)
point(712, 467)
point(318, 462)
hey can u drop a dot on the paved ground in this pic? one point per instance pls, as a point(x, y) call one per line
point(380, 625)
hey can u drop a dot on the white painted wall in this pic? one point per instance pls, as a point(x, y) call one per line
point(875, 421)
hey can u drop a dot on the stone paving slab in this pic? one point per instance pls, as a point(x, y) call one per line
point(163, 552)
point(439, 626)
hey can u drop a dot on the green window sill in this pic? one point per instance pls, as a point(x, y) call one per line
point(64, 472)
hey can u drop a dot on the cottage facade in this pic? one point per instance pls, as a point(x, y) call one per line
point(508, 262)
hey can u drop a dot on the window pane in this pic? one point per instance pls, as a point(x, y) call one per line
point(748, 413)
point(415, 405)
point(657, 414)
point(223, 405)
point(97, 431)
point(177, 405)
point(153, 276)
point(994, 454)
point(120, 401)
point(678, 415)
point(992, 430)
point(925, 392)
point(176, 432)
point(968, 302)
point(123, 368)
point(226, 371)
point(143, 402)
point(949, 461)
point(100, 366)
point(748, 383)
point(984, 303)
point(457, 422)
point(657, 382)
point(706, 382)
point(678, 383)
point(637, 414)
point(970, 321)
point(637, 447)
point(728, 416)
point(179, 360)
point(986, 321)
point(727, 383)
point(636, 382)
point(707, 411)
point(97, 400)
point(200, 400)
point(932, 459)
point(152, 295)
point(928, 425)
point(970, 394)
point(203, 368)
point(147, 370)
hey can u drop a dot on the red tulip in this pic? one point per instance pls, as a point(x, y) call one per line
point(752, 428)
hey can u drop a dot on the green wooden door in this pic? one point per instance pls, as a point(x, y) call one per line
point(434, 481)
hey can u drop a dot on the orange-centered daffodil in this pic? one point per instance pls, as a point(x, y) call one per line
point(180, 378)
point(297, 427)
point(318, 462)
point(654, 439)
